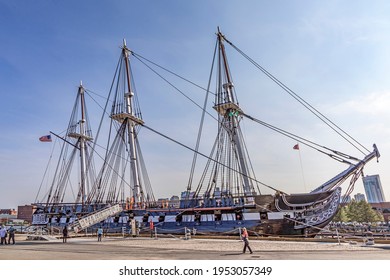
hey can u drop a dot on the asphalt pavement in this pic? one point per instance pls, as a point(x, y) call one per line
point(177, 248)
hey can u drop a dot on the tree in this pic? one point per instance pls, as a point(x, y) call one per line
point(360, 212)
point(341, 215)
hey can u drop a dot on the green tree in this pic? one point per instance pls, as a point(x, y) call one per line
point(360, 212)
point(369, 214)
point(354, 212)
point(341, 215)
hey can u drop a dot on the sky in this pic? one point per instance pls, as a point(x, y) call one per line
point(334, 54)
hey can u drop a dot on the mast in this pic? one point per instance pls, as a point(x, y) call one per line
point(126, 115)
point(81, 135)
point(228, 178)
point(74, 143)
point(229, 110)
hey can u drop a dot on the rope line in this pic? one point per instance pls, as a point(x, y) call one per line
point(303, 102)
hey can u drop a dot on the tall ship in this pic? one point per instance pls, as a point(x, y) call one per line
point(118, 195)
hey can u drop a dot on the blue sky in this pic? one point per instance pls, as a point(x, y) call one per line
point(335, 54)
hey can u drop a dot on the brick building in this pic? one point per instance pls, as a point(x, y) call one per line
point(384, 208)
point(25, 212)
point(11, 212)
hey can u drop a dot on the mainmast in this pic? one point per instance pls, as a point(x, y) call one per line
point(127, 117)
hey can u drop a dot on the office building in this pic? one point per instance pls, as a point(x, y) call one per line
point(373, 189)
point(345, 199)
point(359, 197)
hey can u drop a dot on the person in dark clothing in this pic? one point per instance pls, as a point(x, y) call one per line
point(11, 235)
point(64, 234)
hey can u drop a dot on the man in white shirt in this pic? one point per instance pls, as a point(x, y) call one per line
point(3, 233)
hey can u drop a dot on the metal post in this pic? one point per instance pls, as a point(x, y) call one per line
point(338, 237)
point(185, 233)
point(155, 232)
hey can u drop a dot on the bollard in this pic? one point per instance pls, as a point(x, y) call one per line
point(338, 237)
point(187, 233)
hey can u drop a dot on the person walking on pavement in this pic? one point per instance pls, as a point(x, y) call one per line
point(64, 234)
point(151, 227)
point(11, 235)
point(245, 238)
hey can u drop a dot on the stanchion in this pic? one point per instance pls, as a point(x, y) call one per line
point(338, 237)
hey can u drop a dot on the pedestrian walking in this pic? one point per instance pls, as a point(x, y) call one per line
point(245, 238)
point(3, 233)
point(64, 234)
point(151, 227)
point(11, 235)
point(100, 233)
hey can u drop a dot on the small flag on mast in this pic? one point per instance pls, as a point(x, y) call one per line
point(296, 147)
point(45, 138)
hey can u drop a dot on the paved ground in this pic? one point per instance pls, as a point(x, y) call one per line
point(119, 248)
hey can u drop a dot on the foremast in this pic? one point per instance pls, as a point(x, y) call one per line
point(229, 110)
point(228, 178)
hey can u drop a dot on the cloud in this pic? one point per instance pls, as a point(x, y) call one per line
point(374, 104)
point(367, 107)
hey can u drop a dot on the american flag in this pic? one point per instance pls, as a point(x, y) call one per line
point(45, 138)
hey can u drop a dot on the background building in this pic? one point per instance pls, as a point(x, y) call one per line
point(345, 199)
point(383, 208)
point(11, 212)
point(373, 189)
point(359, 197)
point(25, 212)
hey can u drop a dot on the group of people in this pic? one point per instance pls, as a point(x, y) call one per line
point(11, 231)
point(65, 233)
point(4, 233)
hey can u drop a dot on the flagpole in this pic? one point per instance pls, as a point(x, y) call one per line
point(303, 175)
point(296, 147)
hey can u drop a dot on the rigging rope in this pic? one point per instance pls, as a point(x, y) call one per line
point(303, 102)
point(189, 186)
point(207, 157)
point(140, 57)
point(304, 141)
point(338, 155)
